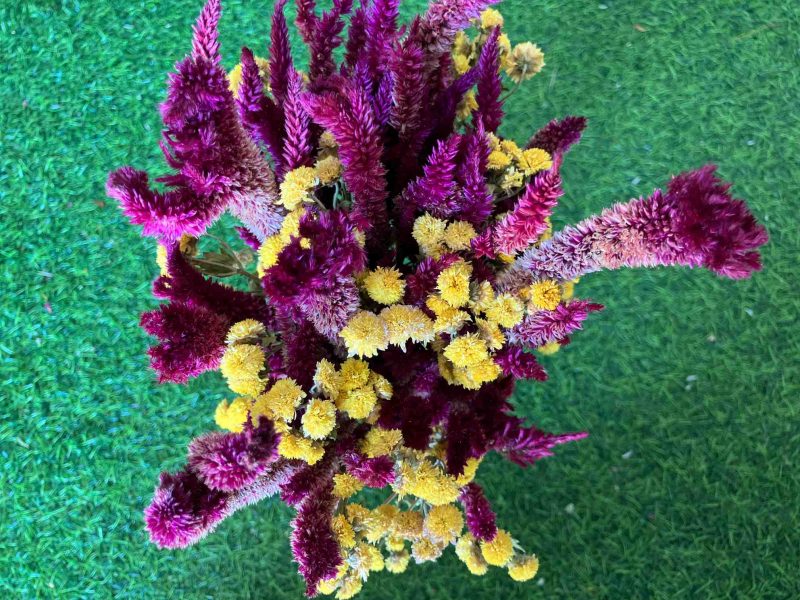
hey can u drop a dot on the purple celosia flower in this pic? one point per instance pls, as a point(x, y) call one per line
point(477, 202)
point(557, 136)
point(695, 223)
point(519, 364)
point(373, 472)
point(480, 517)
point(314, 544)
point(525, 445)
point(546, 326)
point(230, 461)
point(192, 340)
point(490, 107)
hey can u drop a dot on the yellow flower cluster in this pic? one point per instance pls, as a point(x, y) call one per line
point(241, 365)
point(436, 236)
point(384, 285)
point(513, 165)
point(354, 389)
point(366, 333)
point(271, 246)
point(297, 185)
point(499, 552)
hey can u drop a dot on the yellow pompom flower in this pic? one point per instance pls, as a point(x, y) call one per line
point(469, 553)
point(467, 105)
point(511, 180)
point(245, 330)
point(350, 586)
point(505, 310)
point(376, 562)
point(327, 141)
point(466, 350)
point(545, 294)
point(428, 483)
point(460, 63)
point(408, 524)
point(268, 253)
point(395, 544)
point(511, 148)
point(498, 551)
point(345, 534)
point(523, 568)
point(406, 323)
point(498, 160)
point(453, 283)
point(397, 562)
point(424, 550)
point(381, 385)
point(243, 361)
point(281, 399)
point(379, 441)
point(458, 236)
point(475, 376)
point(297, 447)
point(428, 232)
point(365, 334)
point(345, 485)
point(470, 469)
point(482, 298)
point(526, 60)
point(327, 379)
point(444, 523)
point(491, 18)
point(549, 348)
point(232, 416)
point(354, 374)
point(319, 418)
point(462, 44)
point(358, 403)
point(534, 160)
point(328, 169)
point(489, 331)
point(296, 186)
point(447, 318)
point(384, 285)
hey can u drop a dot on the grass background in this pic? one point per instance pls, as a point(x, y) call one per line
point(688, 485)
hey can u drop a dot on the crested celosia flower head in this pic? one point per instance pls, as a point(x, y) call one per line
point(396, 270)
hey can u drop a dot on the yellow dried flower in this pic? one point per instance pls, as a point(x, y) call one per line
point(498, 551)
point(545, 294)
point(358, 403)
point(296, 185)
point(447, 318)
point(243, 361)
point(460, 63)
point(567, 290)
point(297, 447)
point(444, 523)
point(469, 553)
point(379, 441)
point(384, 285)
point(350, 586)
point(319, 418)
point(453, 283)
point(458, 235)
point(466, 350)
point(354, 374)
point(232, 416)
point(527, 60)
point(510, 147)
point(506, 310)
point(491, 18)
point(511, 180)
point(467, 105)
point(345, 534)
point(534, 160)
point(245, 330)
point(365, 334)
point(470, 469)
point(490, 333)
point(428, 483)
point(345, 485)
point(408, 524)
point(281, 400)
point(428, 232)
point(326, 379)
point(482, 297)
point(327, 141)
point(523, 568)
point(395, 544)
point(268, 253)
point(549, 348)
point(328, 169)
point(406, 323)
point(498, 160)
point(475, 376)
point(161, 260)
point(397, 562)
point(381, 385)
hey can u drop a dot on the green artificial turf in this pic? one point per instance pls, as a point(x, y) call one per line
point(688, 485)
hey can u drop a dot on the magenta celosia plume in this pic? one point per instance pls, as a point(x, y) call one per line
point(395, 273)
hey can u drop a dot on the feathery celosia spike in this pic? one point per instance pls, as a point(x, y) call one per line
point(528, 220)
point(350, 119)
point(280, 55)
point(314, 544)
point(525, 445)
point(519, 364)
point(490, 106)
point(381, 30)
point(375, 472)
point(446, 105)
point(696, 223)
point(259, 114)
point(356, 38)
point(557, 136)
point(478, 202)
point(164, 216)
point(297, 150)
point(465, 439)
point(184, 510)
point(480, 517)
point(406, 63)
point(305, 481)
point(303, 347)
point(230, 461)
point(306, 19)
point(325, 39)
point(185, 284)
point(383, 101)
point(433, 190)
point(192, 340)
point(205, 45)
point(544, 326)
